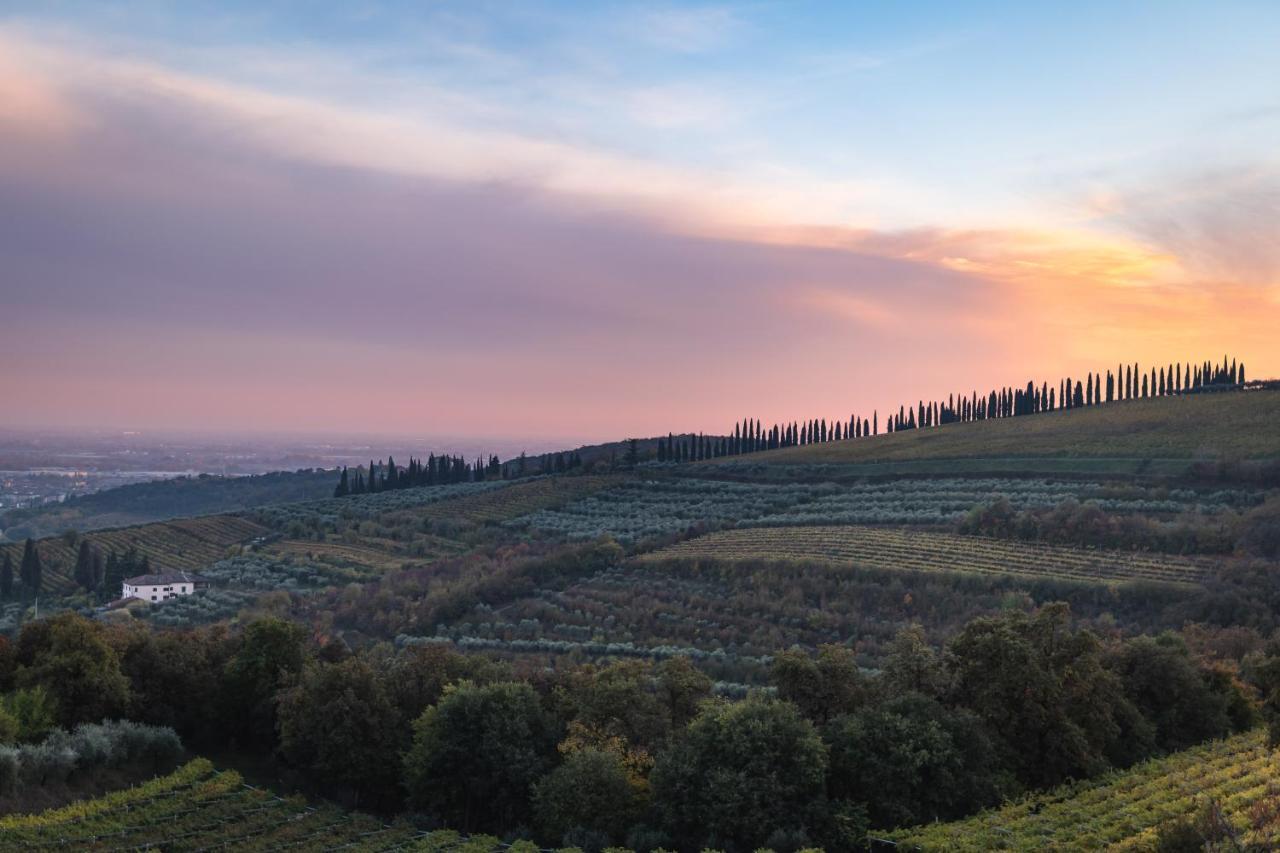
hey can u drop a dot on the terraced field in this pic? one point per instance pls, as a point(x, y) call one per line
point(200, 808)
point(920, 550)
point(1121, 812)
point(732, 615)
point(187, 544)
point(636, 509)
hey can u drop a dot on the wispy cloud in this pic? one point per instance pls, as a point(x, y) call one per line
point(686, 30)
point(1224, 225)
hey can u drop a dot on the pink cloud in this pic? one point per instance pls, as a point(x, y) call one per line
point(189, 254)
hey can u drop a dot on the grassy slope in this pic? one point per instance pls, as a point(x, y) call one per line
point(1232, 426)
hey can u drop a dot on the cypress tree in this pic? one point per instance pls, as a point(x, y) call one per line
point(344, 485)
point(6, 577)
point(109, 573)
point(98, 570)
point(30, 570)
point(84, 565)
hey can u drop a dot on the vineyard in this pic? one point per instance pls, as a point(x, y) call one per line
point(198, 807)
point(920, 550)
point(638, 509)
point(187, 544)
point(1122, 812)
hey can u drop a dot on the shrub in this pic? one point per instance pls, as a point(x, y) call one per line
point(88, 747)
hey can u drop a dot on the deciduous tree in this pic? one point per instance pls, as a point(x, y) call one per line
point(477, 753)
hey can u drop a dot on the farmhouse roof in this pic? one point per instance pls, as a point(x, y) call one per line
point(166, 578)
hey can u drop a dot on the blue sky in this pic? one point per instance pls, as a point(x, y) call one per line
point(920, 111)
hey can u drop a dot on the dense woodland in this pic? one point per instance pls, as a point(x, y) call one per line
point(644, 754)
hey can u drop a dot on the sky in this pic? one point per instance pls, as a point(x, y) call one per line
point(586, 221)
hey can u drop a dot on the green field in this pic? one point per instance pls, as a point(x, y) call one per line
point(919, 550)
point(1228, 426)
point(1123, 810)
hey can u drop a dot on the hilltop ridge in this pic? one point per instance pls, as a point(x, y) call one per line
point(1160, 435)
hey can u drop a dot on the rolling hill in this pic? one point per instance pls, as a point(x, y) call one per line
point(158, 500)
point(1158, 436)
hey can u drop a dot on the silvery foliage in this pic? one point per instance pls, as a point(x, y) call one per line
point(111, 743)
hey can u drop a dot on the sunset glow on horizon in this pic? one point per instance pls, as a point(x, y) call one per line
point(590, 221)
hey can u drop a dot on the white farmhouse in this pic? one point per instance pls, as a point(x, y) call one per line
point(164, 586)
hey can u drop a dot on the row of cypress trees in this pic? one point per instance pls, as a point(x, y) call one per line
point(1128, 382)
point(442, 470)
point(436, 470)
